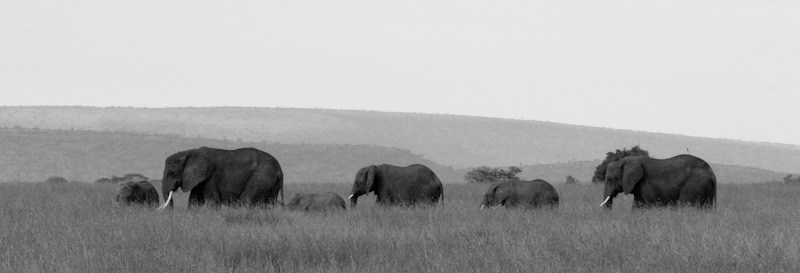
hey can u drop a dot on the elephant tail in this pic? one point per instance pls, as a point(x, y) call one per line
point(441, 189)
point(280, 179)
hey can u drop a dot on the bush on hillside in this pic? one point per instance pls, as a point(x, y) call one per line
point(789, 180)
point(600, 171)
point(129, 177)
point(571, 180)
point(486, 174)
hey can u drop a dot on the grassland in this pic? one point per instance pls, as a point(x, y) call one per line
point(75, 227)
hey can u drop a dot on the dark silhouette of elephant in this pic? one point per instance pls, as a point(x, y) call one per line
point(141, 192)
point(245, 176)
point(681, 180)
point(393, 185)
point(521, 194)
point(328, 201)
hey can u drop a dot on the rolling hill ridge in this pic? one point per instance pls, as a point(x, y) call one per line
point(458, 141)
point(34, 155)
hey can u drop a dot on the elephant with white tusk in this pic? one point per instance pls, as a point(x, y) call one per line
point(393, 185)
point(680, 180)
point(245, 176)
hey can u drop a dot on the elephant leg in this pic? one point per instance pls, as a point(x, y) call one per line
point(638, 202)
point(196, 198)
point(258, 193)
point(690, 197)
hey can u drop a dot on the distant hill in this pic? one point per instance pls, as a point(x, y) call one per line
point(459, 141)
point(35, 155)
point(583, 171)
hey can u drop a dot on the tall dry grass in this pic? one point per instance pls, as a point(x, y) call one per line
point(76, 227)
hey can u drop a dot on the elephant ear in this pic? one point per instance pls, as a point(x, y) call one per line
point(501, 195)
point(197, 169)
point(370, 177)
point(632, 172)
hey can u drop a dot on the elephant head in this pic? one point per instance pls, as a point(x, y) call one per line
point(496, 195)
point(364, 183)
point(294, 202)
point(123, 192)
point(185, 170)
point(621, 176)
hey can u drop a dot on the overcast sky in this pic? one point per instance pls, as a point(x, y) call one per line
point(727, 69)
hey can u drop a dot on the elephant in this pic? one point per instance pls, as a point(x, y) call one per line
point(328, 201)
point(680, 180)
point(393, 185)
point(244, 176)
point(519, 193)
point(141, 192)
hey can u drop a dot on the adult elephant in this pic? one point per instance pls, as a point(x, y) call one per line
point(523, 194)
point(328, 201)
point(141, 192)
point(245, 176)
point(680, 180)
point(414, 184)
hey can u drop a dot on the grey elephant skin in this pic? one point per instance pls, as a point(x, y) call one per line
point(393, 185)
point(681, 180)
point(328, 201)
point(141, 192)
point(521, 194)
point(245, 176)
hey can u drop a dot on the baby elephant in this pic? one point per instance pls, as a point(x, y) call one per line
point(141, 192)
point(525, 194)
point(328, 201)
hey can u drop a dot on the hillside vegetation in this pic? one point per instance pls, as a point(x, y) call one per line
point(35, 155)
point(583, 171)
point(74, 227)
point(459, 141)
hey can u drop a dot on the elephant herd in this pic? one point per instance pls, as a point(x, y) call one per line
point(252, 177)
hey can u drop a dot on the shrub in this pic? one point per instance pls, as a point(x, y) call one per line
point(56, 180)
point(486, 174)
point(130, 177)
point(571, 180)
point(789, 180)
point(600, 171)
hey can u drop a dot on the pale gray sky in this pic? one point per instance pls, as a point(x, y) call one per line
point(728, 69)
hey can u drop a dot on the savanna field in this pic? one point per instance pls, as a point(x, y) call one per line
point(76, 227)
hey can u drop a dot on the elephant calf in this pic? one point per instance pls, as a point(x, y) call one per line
point(328, 201)
point(517, 193)
point(141, 192)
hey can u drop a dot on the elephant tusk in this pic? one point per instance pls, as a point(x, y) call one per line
point(483, 206)
point(169, 198)
point(606, 201)
point(351, 196)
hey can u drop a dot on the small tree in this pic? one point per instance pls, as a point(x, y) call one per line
point(128, 177)
point(600, 171)
point(571, 180)
point(486, 174)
